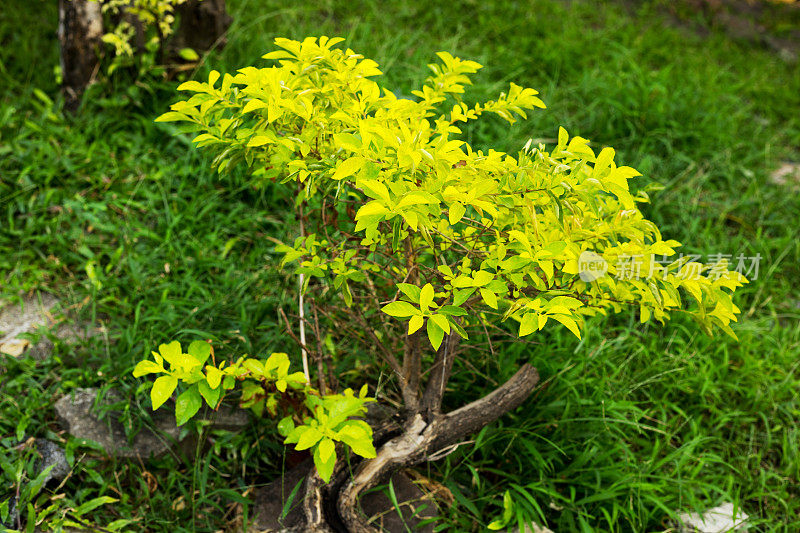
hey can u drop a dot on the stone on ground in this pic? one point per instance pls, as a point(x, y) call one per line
point(530, 528)
point(28, 316)
point(721, 519)
point(788, 174)
point(78, 413)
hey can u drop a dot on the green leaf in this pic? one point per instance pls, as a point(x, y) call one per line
point(358, 439)
point(211, 396)
point(400, 309)
point(461, 296)
point(194, 86)
point(255, 366)
point(556, 206)
point(441, 321)
point(396, 234)
point(200, 350)
point(162, 389)
point(603, 161)
point(187, 405)
point(364, 448)
point(279, 363)
point(324, 468)
point(37, 483)
point(309, 438)
point(452, 310)
point(463, 281)
point(348, 141)
point(411, 291)
point(435, 334)
point(187, 54)
point(94, 504)
point(457, 327)
point(288, 504)
point(295, 434)
point(285, 426)
point(347, 296)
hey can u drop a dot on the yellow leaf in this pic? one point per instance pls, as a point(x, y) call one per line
point(372, 208)
point(347, 168)
point(456, 212)
point(569, 322)
point(258, 140)
point(489, 297)
point(528, 324)
point(348, 141)
point(375, 189)
point(442, 322)
point(253, 105)
point(415, 323)
point(416, 198)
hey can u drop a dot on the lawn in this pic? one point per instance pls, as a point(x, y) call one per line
point(128, 226)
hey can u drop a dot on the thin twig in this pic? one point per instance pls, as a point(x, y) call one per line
point(323, 387)
point(289, 329)
point(303, 351)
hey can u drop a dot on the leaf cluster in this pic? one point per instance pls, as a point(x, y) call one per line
point(442, 230)
point(314, 421)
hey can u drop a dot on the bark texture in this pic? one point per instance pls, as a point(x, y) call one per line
point(202, 25)
point(80, 28)
point(421, 441)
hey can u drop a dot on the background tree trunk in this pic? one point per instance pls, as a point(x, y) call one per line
point(201, 26)
point(80, 28)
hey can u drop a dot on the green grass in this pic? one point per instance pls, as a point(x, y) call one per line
point(634, 421)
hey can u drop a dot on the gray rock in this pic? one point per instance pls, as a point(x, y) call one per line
point(228, 418)
point(720, 519)
point(415, 504)
point(788, 174)
point(27, 317)
point(51, 455)
point(76, 410)
point(13, 514)
point(530, 528)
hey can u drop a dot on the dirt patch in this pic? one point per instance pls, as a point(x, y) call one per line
point(773, 24)
point(787, 174)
